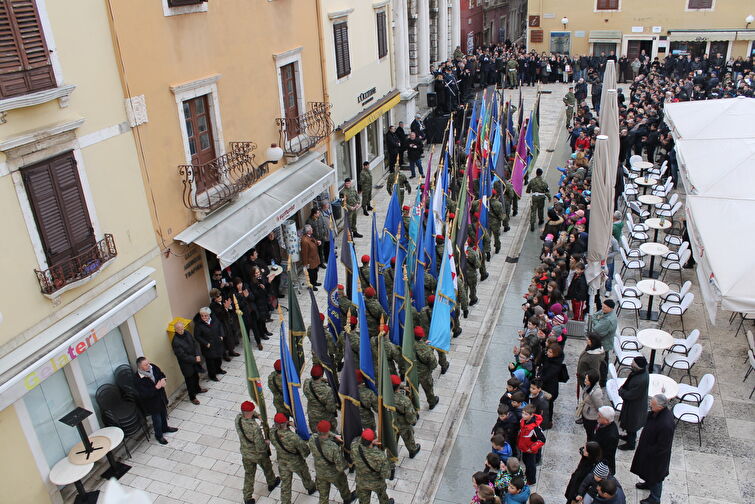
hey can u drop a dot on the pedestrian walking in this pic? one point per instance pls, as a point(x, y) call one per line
point(291, 452)
point(255, 451)
point(634, 393)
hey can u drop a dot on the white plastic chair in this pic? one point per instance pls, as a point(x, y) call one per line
point(638, 210)
point(694, 414)
point(630, 264)
point(691, 393)
point(750, 341)
point(629, 341)
point(677, 294)
point(630, 251)
point(683, 362)
point(628, 174)
point(612, 389)
point(675, 263)
point(743, 317)
point(663, 190)
point(673, 200)
point(669, 214)
point(684, 345)
point(674, 308)
point(633, 160)
point(659, 171)
point(626, 290)
point(675, 255)
point(623, 357)
point(751, 357)
point(627, 303)
point(674, 236)
point(637, 232)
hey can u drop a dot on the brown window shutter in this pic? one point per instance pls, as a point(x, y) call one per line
point(382, 36)
point(700, 4)
point(608, 4)
point(180, 3)
point(24, 59)
point(59, 208)
point(341, 39)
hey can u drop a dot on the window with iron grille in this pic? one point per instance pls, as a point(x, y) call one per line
point(607, 5)
point(341, 39)
point(700, 4)
point(381, 35)
point(181, 3)
point(25, 65)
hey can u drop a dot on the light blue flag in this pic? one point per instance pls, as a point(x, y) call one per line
point(331, 287)
point(376, 266)
point(366, 364)
point(414, 234)
point(445, 302)
point(291, 386)
point(418, 289)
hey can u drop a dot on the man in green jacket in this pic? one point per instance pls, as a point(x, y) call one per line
point(372, 468)
point(291, 451)
point(255, 450)
point(330, 464)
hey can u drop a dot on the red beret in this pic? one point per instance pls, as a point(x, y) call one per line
point(495, 192)
point(369, 292)
point(368, 435)
point(247, 406)
point(316, 371)
point(419, 333)
point(358, 374)
point(353, 320)
point(277, 365)
point(365, 258)
point(384, 328)
point(322, 317)
point(340, 287)
point(393, 261)
point(477, 215)
point(438, 237)
point(461, 171)
point(323, 426)
point(280, 418)
point(451, 215)
point(431, 299)
point(405, 208)
point(395, 380)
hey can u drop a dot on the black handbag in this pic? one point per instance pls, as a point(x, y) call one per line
point(563, 375)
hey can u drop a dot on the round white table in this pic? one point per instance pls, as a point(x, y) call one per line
point(653, 249)
point(65, 472)
point(649, 199)
point(651, 287)
point(654, 339)
point(655, 223)
point(662, 384)
point(115, 435)
point(645, 182)
point(641, 166)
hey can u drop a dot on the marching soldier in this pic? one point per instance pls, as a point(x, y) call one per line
point(403, 185)
point(392, 351)
point(351, 331)
point(332, 350)
point(470, 275)
point(406, 218)
point(330, 464)
point(375, 311)
point(275, 384)
point(291, 452)
point(426, 363)
point(495, 217)
point(570, 101)
point(388, 274)
point(255, 450)
point(364, 272)
point(510, 205)
point(351, 204)
point(365, 187)
point(368, 403)
point(425, 317)
point(344, 303)
point(321, 405)
point(540, 193)
point(372, 468)
point(406, 416)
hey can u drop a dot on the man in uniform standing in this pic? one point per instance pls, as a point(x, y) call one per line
point(403, 185)
point(321, 405)
point(512, 68)
point(540, 194)
point(372, 468)
point(365, 187)
point(570, 101)
point(351, 203)
point(426, 363)
point(275, 384)
point(470, 275)
point(510, 204)
point(495, 217)
point(291, 451)
point(406, 416)
point(330, 465)
point(255, 450)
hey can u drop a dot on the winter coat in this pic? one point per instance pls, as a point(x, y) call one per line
point(526, 441)
point(549, 373)
point(589, 359)
point(653, 454)
point(634, 394)
point(608, 438)
point(584, 468)
point(520, 498)
point(210, 337)
point(153, 400)
point(310, 257)
point(577, 288)
point(186, 350)
point(592, 401)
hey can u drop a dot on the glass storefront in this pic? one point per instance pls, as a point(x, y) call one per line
point(100, 361)
point(373, 142)
point(343, 159)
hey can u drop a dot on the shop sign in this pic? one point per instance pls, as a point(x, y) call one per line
point(367, 96)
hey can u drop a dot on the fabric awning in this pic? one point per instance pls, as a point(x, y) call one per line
point(701, 35)
point(718, 168)
point(729, 118)
point(605, 36)
point(386, 103)
point(231, 231)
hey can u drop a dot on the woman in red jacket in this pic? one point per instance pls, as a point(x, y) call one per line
point(530, 440)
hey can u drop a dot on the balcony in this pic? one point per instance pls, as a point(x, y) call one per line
point(76, 269)
point(299, 134)
point(211, 185)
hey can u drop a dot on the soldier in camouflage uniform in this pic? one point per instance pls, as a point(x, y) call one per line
point(375, 312)
point(321, 405)
point(430, 283)
point(364, 272)
point(332, 347)
point(368, 403)
point(495, 218)
point(486, 248)
point(291, 452)
point(406, 219)
point(540, 194)
point(403, 185)
point(275, 384)
point(440, 247)
point(470, 274)
point(392, 352)
point(365, 187)
point(351, 331)
point(425, 317)
point(510, 205)
point(406, 416)
point(330, 464)
point(426, 363)
point(352, 203)
point(372, 468)
point(388, 274)
point(461, 293)
point(344, 303)
point(254, 451)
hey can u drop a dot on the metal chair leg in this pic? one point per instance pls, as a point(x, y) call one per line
point(681, 316)
point(700, 433)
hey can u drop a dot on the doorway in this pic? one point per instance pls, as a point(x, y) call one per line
point(635, 48)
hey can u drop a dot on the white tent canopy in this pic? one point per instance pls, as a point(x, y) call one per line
point(706, 119)
point(721, 236)
point(718, 168)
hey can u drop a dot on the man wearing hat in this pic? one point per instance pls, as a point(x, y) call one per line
point(321, 405)
point(375, 312)
point(426, 363)
point(255, 450)
point(540, 194)
point(330, 465)
point(570, 101)
point(364, 272)
point(351, 202)
point(405, 219)
point(495, 218)
point(406, 416)
point(392, 351)
point(510, 204)
point(588, 489)
point(291, 452)
point(403, 185)
point(275, 384)
point(604, 324)
point(607, 435)
point(350, 331)
point(634, 393)
point(331, 345)
point(388, 275)
point(365, 187)
point(372, 468)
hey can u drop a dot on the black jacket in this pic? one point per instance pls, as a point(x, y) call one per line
point(550, 372)
point(210, 337)
point(153, 400)
point(608, 439)
point(634, 395)
point(414, 148)
point(653, 454)
point(186, 350)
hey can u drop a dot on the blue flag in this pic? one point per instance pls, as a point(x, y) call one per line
point(445, 301)
point(472, 132)
point(376, 276)
point(355, 283)
point(390, 228)
point(428, 258)
point(414, 234)
point(398, 301)
point(418, 289)
point(366, 363)
point(334, 325)
point(291, 385)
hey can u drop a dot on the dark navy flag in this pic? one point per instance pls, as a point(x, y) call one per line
point(351, 422)
point(320, 345)
point(291, 386)
point(334, 325)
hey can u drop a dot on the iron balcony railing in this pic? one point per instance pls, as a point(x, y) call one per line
point(213, 184)
point(299, 134)
point(77, 268)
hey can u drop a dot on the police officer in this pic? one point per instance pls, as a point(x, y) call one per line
point(351, 203)
point(291, 452)
point(255, 450)
point(426, 363)
point(540, 194)
point(372, 468)
point(365, 187)
point(330, 465)
point(406, 416)
point(321, 405)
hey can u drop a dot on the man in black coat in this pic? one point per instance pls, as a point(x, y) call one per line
point(189, 360)
point(393, 146)
point(634, 393)
point(607, 436)
point(208, 332)
point(653, 455)
point(150, 383)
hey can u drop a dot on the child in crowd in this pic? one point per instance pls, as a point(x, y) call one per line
point(500, 447)
point(479, 479)
point(518, 492)
point(510, 470)
point(530, 440)
point(507, 423)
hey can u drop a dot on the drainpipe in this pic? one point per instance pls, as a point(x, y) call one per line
point(323, 73)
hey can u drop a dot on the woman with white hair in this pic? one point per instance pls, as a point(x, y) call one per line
point(607, 435)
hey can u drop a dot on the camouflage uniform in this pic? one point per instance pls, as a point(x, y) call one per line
point(495, 218)
point(403, 185)
point(461, 293)
point(510, 202)
point(540, 194)
point(372, 468)
point(352, 201)
point(353, 336)
point(470, 275)
point(430, 284)
point(374, 313)
point(426, 362)
point(330, 467)
point(275, 384)
point(425, 317)
point(365, 187)
point(364, 275)
point(332, 347)
point(388, 280)
point(392, 354)
point(291, 452)
point(321, 405)
point(570, 101)
point(254, 451)
point(369, 404)
point(345, 304)
point(406, 417)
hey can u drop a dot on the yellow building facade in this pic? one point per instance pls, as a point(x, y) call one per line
point(628, 27)
point(84, 290)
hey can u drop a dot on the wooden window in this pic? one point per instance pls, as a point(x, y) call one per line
point(290, 100)
point(201, 140)
point(181, 3)
point(700, 4)
point(59, 208)
point(341, 38)
point(607, 5)
point(25, 64)
point(381, 35)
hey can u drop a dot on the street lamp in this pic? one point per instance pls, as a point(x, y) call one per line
point(749, 19)
point(274, 153)
point(564, 21)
